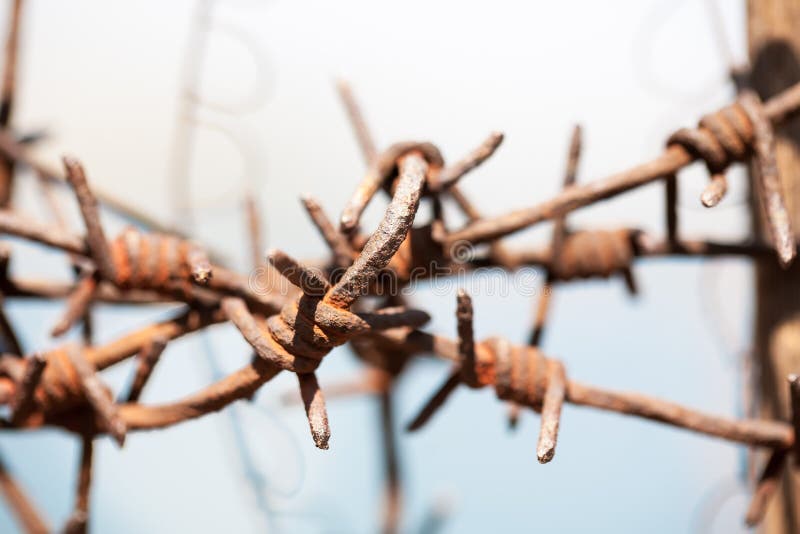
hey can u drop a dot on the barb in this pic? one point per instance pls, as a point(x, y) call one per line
point(570, 175)
point(435, 402)
point(314, 402)
point(438, 226)
point(24, 510)
point(715, 190)
point(343, 252)
point(540, 317)
point(551, 411)
point(557, 241)
point(7, 332)
point(513, 413)
point(79, 519)
point(671, 209)
point(466, 340)
point(95, 236)
point(767, 485)
point(452, 173)
point(147, 360)
point(380, 173)
point(97, 395)
point(387, 238)
point(365, 139)
point(308, 280)
point(23, 402)
point(771, 194)
point(78, 304)
point(392, 496)
point(199, 264)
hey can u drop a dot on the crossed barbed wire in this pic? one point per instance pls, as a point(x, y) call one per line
point(295, 331)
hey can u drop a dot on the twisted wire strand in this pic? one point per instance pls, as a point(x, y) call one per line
point(308, 327)
point(521, 375)
point(153, 261)
point(516, 373)
point(777, 110)
point(380, 173)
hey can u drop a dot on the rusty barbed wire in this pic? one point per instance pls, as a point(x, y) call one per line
point(746, 116)
point(295, 331)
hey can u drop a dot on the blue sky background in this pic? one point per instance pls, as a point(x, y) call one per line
point(103, 77)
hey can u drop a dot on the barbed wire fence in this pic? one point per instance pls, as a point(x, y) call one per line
point(355, 295)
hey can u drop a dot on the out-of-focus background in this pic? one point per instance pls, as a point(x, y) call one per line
point(107, 81)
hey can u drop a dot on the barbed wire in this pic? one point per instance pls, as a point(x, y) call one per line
point(295, 330)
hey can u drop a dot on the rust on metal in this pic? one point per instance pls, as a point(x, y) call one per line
point(294, 331)
point(676, 156)
point(770, 190)
point(78, 304)
point(95, 235)
point(23, 402)
point(146, 362)
point(452, 173)
point(78, 521)
point(97, 394)
point(28, 516)
point(766, 487)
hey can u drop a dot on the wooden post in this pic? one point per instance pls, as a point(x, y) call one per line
point(774, 50)
point(7, 90)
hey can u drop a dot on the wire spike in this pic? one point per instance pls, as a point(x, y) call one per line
point(308, 279)
point(451, 174)
point(771, 191)
point(387, 238)
point(767, 485)
point(314, 402)
point(551, 411)
point(342, 250)
point(147, 360)
point(95, 236)
point(435, 402)
point(715, 190)
point(514, 412)
point(199, 265)
point(98, 395)
point(23, 401)
point(78, 303)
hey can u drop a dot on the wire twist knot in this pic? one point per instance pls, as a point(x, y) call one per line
point(518, 373)
point(153, 261)
point(590, 253)
point(732, 134)
point(720, 139)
